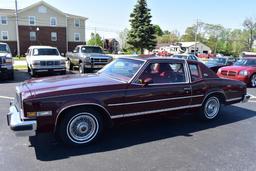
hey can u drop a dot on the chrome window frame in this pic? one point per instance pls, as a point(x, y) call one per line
point(147, 63)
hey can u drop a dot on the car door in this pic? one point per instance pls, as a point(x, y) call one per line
point(168, 89)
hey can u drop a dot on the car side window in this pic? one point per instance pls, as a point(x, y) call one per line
point(194, 72)
point(161, 73)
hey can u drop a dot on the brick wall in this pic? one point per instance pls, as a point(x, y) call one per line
point(43, 37)
point(72, 45)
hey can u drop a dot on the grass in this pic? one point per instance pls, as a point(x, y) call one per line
point(20, 67)
point(19, 58)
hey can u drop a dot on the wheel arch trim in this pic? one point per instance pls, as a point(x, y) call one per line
point(80, 104)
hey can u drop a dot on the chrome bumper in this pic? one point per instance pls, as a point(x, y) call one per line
point(246, 98)
point(20, 127)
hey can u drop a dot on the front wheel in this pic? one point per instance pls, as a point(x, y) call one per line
point(80, 127)
point(253, 80)
point(81, 68)
point(211, 108)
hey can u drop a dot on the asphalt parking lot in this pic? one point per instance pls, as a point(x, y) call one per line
point(164, 143)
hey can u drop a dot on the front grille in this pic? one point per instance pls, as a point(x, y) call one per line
point(231, 73)
point(224, 73)
point(228, 73)
point(99, 61)
point(49, 63)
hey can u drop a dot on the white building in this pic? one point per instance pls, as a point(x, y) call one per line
point(190, 47)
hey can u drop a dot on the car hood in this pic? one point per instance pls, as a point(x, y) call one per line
point(3, 54)
point(47, 58)
point(72, 83)
point(236, 68)
point(214, 65)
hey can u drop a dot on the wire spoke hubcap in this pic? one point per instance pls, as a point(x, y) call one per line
point(82, 128)
point(212, 107)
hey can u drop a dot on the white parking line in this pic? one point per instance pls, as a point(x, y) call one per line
point(6, 97)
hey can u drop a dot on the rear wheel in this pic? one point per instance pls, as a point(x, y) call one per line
point(11, 76)
point(253, 80)
point(211, 108)
point(80, 127)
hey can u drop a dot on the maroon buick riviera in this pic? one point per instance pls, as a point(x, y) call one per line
point(76, 108)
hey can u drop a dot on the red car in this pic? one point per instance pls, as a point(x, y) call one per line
point(77, 108)
point(243, 70)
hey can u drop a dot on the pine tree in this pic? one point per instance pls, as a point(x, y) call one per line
point(142, 33)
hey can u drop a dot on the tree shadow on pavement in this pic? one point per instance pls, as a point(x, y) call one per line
point(136, 132)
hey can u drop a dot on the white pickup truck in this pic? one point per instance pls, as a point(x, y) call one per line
point(45, 59)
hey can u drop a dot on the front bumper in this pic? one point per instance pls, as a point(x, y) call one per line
point(49, 70)
point(20, 127)
point(246, 98)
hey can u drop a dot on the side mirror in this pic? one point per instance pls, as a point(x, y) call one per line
point(62, 54)
point(146, 82)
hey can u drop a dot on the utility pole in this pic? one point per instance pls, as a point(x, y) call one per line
point(95, 36)
point(196, 36)
point(17, 29)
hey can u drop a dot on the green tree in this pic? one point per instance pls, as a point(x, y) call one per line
point(142, 33)
point(250, 26)
point(123, 37)
point(171, 37)
point(158, 30)
point(95, 40)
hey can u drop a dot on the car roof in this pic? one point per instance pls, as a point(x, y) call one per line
point(49, 47)
point(248, 58)
point(2, 43)
point(151, 58)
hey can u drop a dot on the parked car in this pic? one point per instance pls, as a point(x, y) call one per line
point(218, 62)
point(77, 108)
point(186, 56)
point(6, 62)
point(244, 70)
point(41, 59)
point(87, 58)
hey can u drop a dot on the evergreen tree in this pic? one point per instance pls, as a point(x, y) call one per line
point(142, 33)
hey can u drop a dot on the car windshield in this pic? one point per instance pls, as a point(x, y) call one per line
point(91, 50)
point(180, 56)
point(245, 62)
point(122, 69)
point(217, 61)
point(4, 48)
point(45, 51)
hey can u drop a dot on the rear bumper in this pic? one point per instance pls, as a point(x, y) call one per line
point(20, 127)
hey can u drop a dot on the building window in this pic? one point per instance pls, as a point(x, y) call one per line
point(4, 35)
point(3, 20)
point(54, 36)
point(32, 20)
point(77, 37)
point(77, 22)
point(53, 21)
point(32, 36)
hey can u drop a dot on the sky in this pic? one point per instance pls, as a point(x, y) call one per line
point(112, 16)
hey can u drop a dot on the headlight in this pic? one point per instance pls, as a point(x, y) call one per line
point(244, 73)
point(87, 59)
point(35, 62)
point(8, 60)
point(219, 70)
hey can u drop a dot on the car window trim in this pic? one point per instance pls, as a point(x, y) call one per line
point(185, 65)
